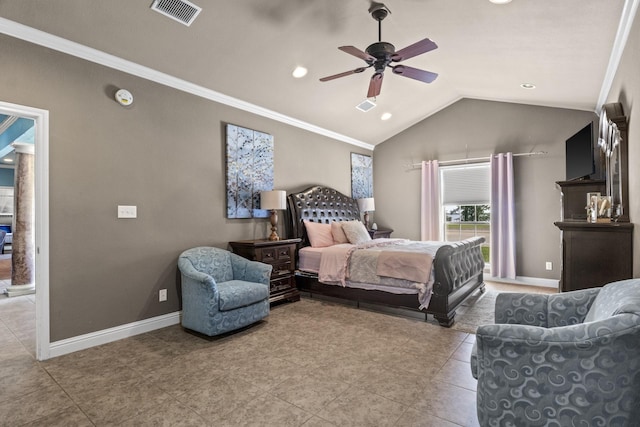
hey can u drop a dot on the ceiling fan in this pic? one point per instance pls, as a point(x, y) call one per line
point(381, 55)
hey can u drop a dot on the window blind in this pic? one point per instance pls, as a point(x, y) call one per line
point(466, 185)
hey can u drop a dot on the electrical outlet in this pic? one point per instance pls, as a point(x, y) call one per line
point(127, 211)
point(162, 295)
point(549, 265)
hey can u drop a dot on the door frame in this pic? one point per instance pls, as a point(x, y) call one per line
point(41, 182)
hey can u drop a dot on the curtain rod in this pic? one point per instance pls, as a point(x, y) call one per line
point(476, 159)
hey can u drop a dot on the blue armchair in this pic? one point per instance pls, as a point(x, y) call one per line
point(570, 359)
point(222, 291)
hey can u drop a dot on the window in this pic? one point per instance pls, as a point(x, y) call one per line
point(466, 193)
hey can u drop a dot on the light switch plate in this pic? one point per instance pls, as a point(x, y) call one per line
point(127, 211)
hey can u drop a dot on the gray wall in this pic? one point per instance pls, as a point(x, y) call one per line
point(165, 154)
point(474, 128)
point(626, 90)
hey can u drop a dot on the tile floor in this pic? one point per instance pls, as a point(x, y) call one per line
point(311, 363)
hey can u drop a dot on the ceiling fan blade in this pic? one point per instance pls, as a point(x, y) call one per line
point(375, 85)
point(415, 49)
point(352, 50)
point(346, 73)
point(414, 73)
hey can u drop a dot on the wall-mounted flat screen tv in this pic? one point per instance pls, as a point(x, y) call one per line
point(580, 161)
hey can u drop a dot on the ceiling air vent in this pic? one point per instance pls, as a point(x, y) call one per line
point(180, 10)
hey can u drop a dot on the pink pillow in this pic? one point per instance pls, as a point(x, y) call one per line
point(338, 233)
point(319, 234)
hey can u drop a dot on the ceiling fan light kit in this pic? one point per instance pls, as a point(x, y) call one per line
point(366, 105)
point(381, 55)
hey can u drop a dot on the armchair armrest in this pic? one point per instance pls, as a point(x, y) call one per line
point(250, 271)
point(570, 308)
point(521, 309)
point(199, 293)
point(544, 310)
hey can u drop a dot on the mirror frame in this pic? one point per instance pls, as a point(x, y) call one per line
point(612, 142)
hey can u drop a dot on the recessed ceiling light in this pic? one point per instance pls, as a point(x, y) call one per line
point(299, 72)
point(8, 160)
point(528, 86)
point(385, 116)
point(500, 1)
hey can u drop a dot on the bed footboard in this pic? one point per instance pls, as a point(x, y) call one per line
point(458, 273)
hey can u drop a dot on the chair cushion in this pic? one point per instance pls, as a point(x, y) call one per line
point(238, 293)
point(615, 298)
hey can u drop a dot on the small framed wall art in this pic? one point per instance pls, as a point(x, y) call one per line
point(361, 176)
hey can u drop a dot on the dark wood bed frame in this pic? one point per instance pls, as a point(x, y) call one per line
point(458, 266)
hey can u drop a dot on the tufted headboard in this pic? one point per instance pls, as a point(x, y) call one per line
point(319, 204)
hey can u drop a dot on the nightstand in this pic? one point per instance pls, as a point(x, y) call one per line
point(380, 233)
point(281, 254)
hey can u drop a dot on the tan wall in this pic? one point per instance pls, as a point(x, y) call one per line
point(626, 90)
point(164, 154)
point(474, 128)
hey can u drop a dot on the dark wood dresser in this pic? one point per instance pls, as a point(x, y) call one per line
point(281, 255)
point(594, 254)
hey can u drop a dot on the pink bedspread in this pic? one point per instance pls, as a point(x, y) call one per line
point(413, 266)
point(398, 263)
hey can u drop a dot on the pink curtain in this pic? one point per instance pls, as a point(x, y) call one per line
point(430, 201)
point(503, 235)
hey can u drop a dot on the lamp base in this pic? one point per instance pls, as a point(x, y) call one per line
point(274, 226)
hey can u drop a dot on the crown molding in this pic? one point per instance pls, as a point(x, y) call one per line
point(629, 11)
point(32, 35)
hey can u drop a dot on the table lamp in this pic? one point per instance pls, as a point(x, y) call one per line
point(366, 205)
point(274, 201)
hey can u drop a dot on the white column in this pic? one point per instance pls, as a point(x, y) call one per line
point(23, 246)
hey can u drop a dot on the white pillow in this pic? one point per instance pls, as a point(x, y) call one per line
point(319, 234)
point(356, 232)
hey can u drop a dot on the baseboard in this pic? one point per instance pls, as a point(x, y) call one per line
point(82, 342)
point(527, 281)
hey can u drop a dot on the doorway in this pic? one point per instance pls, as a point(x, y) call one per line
point(41, 219)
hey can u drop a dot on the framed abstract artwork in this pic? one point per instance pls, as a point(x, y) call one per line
point(361, 176)
point(249, 171)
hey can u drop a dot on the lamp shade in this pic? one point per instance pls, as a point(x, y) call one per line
point(273, 200)
point(366, 204)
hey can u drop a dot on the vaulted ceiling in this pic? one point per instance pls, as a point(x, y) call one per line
point(245, 51)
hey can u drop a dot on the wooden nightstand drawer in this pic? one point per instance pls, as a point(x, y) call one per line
point(280, 285)
point(281, 255)
point(282, 268)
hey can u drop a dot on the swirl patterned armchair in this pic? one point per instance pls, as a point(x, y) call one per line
point(222, 291)
point(570, 359)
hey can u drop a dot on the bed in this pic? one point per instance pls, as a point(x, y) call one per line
point(457, 267)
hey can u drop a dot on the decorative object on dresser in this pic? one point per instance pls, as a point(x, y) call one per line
point(561, 359)
point(598, 252)
point(366, 205)
point(280, 254)
point(274, 200)
point(456, 267)
point(222, 291)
